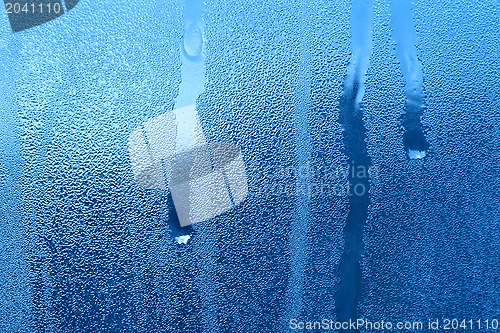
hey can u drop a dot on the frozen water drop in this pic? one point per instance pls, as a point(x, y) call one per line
point(183, 239)
point(416, 154)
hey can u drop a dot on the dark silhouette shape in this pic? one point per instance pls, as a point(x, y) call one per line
point(173, 221)
point(414, 137)
point(349, 289)
point(70, 4)
point(25, 14)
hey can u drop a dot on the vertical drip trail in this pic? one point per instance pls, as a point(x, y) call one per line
point(14, 276)
point(354, 131)
point(192, 85)
point(193, 61)
point(299, 225)
point(31, 145)
point(403, 31)
point(193, 80)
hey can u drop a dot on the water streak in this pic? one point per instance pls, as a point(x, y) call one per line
point(403, 31)
point(354, 131)
point(14, 276)
point(299, 225)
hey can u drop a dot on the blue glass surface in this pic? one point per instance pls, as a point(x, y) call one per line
point(369, 132)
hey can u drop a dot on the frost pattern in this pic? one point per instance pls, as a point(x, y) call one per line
point(84, 249)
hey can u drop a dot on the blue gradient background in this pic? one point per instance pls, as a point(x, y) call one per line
point(83, 249)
